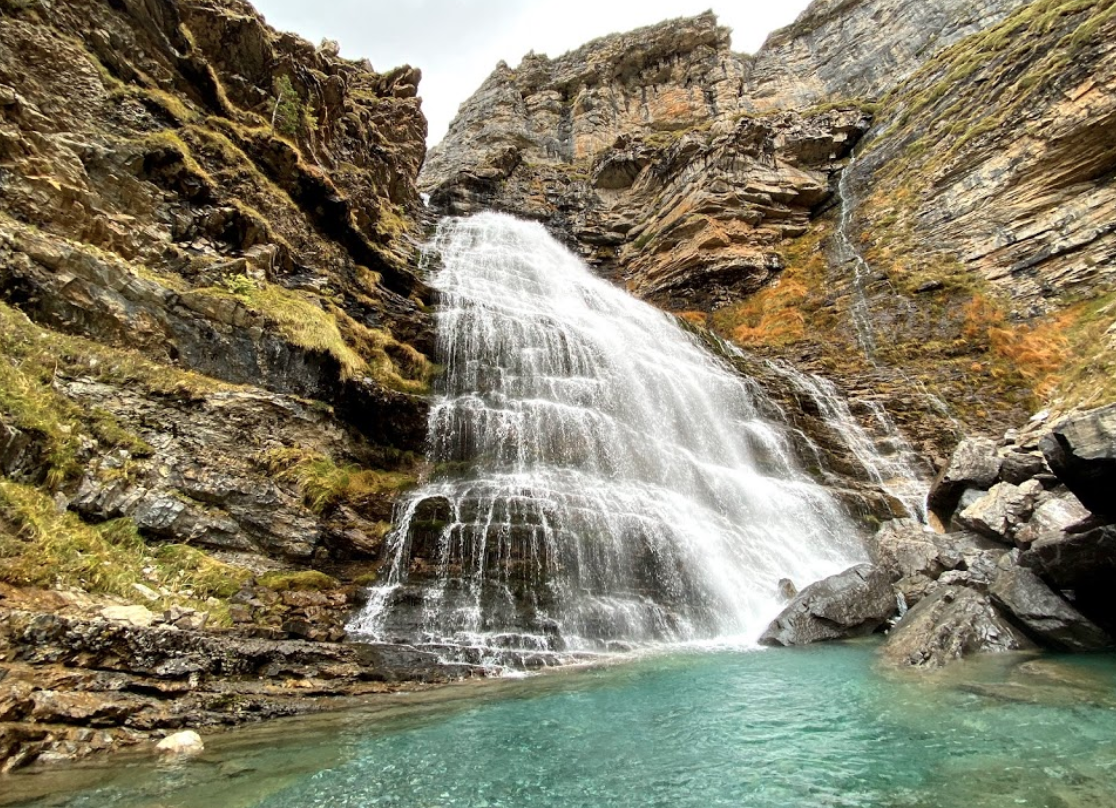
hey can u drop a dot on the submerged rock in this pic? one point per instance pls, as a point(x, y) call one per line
point(186, 742)
point(850, 604)
point(949, 624)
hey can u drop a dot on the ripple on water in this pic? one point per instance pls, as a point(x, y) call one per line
point(804, 727)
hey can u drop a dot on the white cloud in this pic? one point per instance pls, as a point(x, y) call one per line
point(458, 42)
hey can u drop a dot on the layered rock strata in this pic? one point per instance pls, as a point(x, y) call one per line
point(213, 365)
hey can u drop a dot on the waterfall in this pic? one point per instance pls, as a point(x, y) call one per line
point(847, 253)
point(896, 469)
point(601, 481)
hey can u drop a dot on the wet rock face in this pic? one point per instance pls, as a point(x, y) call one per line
point(851, 604)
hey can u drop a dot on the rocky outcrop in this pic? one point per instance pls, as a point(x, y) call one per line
point(952, 623)
point(74, 685)
point(1082, 452)
point(213, 365)
point(974, 464)
point(180, 181)
point(687, 219)
point(998, 152)
point(673, 163)
point(851, 604)
point(1040, 569)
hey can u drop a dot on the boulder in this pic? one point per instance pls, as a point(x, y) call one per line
point(1018, 467)
point(1075, 560)
point(186, 742)
point(916, 557)
point(1043, 614)
point(1000, 512)
point(951, 623)
point(849, 604)
point(1055, 513)
point(1081, 450)
point(1082, 564)
point(975, 464)
point(905, 547)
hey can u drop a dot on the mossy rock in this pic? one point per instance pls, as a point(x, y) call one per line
point(299, 581)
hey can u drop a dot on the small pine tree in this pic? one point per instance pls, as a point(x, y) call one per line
point(287, 118)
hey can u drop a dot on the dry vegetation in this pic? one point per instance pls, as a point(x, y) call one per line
point(42, 546)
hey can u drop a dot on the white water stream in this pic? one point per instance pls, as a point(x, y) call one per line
point(602, 480)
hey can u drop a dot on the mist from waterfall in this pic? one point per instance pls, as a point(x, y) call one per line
point(601, 480)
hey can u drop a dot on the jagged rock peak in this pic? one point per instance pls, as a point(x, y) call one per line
point(682, 74)
point(666, 77)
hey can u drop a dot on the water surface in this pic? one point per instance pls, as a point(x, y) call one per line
point(799, 727)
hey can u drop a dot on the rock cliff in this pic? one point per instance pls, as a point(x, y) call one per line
point(213, 356)
point(935, 275)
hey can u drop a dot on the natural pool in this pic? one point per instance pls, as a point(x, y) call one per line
point(818, 726)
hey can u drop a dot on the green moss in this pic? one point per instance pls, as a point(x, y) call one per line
point(299, 581)
point(325, 484)
point(207, 577)
point(298, 317)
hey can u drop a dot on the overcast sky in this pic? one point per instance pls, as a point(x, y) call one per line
point(457, 43)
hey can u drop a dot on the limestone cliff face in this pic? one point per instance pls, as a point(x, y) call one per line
point(675, 163)
point(206, 281)
point(212, 365)
point(707, 182)
point(999, 156)
point(859, 48)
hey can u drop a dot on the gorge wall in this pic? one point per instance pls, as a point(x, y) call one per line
point(213, 366)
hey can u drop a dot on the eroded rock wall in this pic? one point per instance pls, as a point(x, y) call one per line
point(213, 358)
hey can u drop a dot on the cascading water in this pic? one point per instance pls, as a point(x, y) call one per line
point(847, 253)
point(898, 470)
point(601, 480)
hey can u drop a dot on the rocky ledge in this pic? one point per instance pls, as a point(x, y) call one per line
point(1024, 559)
point(80, 675)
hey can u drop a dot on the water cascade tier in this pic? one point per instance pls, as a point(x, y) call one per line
point(601, 480)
